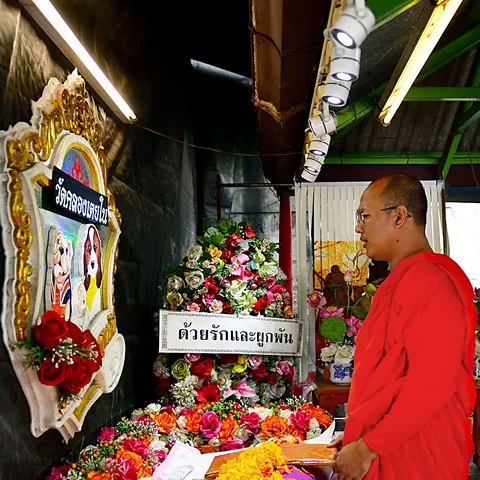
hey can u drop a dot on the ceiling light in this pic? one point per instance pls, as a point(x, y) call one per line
point(321, 124)
point(345, 64)
point(56, 28)
point(319, 145)
point(354, 24)
point(335, 92)
point(438, 22)
point(312, 167)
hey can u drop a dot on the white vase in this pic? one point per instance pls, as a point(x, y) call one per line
point(341, 374)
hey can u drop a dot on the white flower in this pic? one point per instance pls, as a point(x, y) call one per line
point(192, 264)
point(241, 434)
point(195, 252)
point(159, 368)
point(153, 408)
point(216, 306)
point(194, 279)
point(174, 283)
point(197, 441)
point(214, 442)
point(327, 353)
point(313, 424)
point(263, 412)
point(223, 381)
point(157, 445)
point(182, 422)
point(236, 290)
point(192, 380)
point(137, 413)
point(285, 414)
point(344, 354)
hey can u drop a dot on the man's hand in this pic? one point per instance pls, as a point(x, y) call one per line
point(354, 461)
point(337, 443)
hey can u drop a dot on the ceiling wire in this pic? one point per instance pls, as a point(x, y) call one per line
point(210, 149)
point(471, 164)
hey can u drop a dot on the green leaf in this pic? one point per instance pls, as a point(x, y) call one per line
point(225, 225)
point(216, 240)
point(171, 270)
point(334, 329)
point(359, 313)
point(205, 225)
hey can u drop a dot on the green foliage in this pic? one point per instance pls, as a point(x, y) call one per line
point(334, 329)
point(216, 240)
point(172, 270)
point(359, 313)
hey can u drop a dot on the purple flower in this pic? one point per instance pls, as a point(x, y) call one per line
point(316, 299)
point(107, 434)
point(254, 361)
point(210, 425)
point(231, 445)
point(282, 368)
point(58, 473)
point(191, 357)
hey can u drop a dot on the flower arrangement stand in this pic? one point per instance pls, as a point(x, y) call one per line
point(328, 395)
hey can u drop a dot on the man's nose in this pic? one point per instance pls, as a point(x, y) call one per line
point(359, 228)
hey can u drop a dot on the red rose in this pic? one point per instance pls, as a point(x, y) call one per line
point(279, 289)
point(260, 304)
point(75, 334)
point(233, 240)
point(209, 393)
point(50, 374)
point(226, 254)
point(229, 358)
point(163, 385)
point(250, 232)
point(272, 379)
point(80, 374)
point(202, 368)
point(291, 375)
point(259, 373)
point(52, 330)
point(227, 308)
point(89, 341)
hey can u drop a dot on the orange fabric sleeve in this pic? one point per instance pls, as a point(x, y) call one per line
point(433, 325)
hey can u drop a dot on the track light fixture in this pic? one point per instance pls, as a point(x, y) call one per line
point(319, 145)
point(335, 92)
point(321, 124)
point(345, 64)
point(312, 167)
point(354, 24)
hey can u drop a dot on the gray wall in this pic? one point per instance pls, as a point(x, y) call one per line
point(153, 179)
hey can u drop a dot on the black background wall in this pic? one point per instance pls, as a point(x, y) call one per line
point(153, 179)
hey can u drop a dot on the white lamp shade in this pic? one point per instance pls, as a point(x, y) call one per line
point(335, 93)
point(320, 125)
point(319, 145)
point(353, 26)
point(345, 64)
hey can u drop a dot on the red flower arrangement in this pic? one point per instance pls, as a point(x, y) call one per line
point(62, 354)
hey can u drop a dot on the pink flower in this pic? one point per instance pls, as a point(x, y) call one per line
point(193, 307)
point(269, 283)
point(192, 357)
point(348, 277)
point(58, 473)
point(300, 420)
point(282, 368)
point(125, 470)
point(326, 312)
point(216, 306)
point(270, 297)
point(279, 289)
point(231, 445)
point(210, 425)
point(353, 324)
point(208, 299)
point(161, 455)
point(254, 361)
point(476, 291)
point(107, 434)
point(251, 422)
point(316, 299)
point(242, 258)
point(240, 390)
point(136, 446)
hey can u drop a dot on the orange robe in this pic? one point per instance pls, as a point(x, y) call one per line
point(413, 388)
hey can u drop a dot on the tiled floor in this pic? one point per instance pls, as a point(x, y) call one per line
point(474, 472)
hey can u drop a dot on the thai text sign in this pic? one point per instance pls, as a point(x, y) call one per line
point(209, 333)
point(79, 199)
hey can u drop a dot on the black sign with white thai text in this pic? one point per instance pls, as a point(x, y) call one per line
point(79, 199)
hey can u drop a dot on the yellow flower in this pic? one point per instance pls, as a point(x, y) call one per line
point(180, 369)
point(288, 311)
point(241, 364)
point(214, 252)
point(174, 299)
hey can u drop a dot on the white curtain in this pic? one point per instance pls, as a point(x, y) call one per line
point(325, 212)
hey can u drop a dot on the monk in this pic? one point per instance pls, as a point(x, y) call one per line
point(412, 389)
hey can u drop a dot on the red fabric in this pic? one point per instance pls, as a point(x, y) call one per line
point(413, 388)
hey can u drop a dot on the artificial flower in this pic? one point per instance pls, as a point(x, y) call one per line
point(194, 279)
point(210, 425)
point(180, 369)
point(192, 357)
point(52, 372)
point(202, 368)
point(51, 331)
point(228, 427)
point(316, 299)
point(195, 252)
point(174, 283)
point(348, 277)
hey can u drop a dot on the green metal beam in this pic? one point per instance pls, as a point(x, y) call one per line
point(448, 158)
point(468, 118)
point(349, 117)
point(443, 94)
point(401, 158)
point(386, 10)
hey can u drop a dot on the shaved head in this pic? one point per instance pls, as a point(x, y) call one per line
point(405, 190)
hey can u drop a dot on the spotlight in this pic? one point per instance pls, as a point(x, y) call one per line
point(354, 24)
point(312, 167)
point(335, 92)
point(345, 64)
point(322, 124)
point(319, 145)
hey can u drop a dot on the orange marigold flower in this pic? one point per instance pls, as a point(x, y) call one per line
point(228, 427)
point(146, 471)
point(166, 421)
point(323, 418)
point(208, 449)
point(274, 426)
point(122, 454)
point(193, 421)
point(93, 475)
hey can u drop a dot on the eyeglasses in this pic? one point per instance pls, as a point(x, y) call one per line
point(361, 217)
